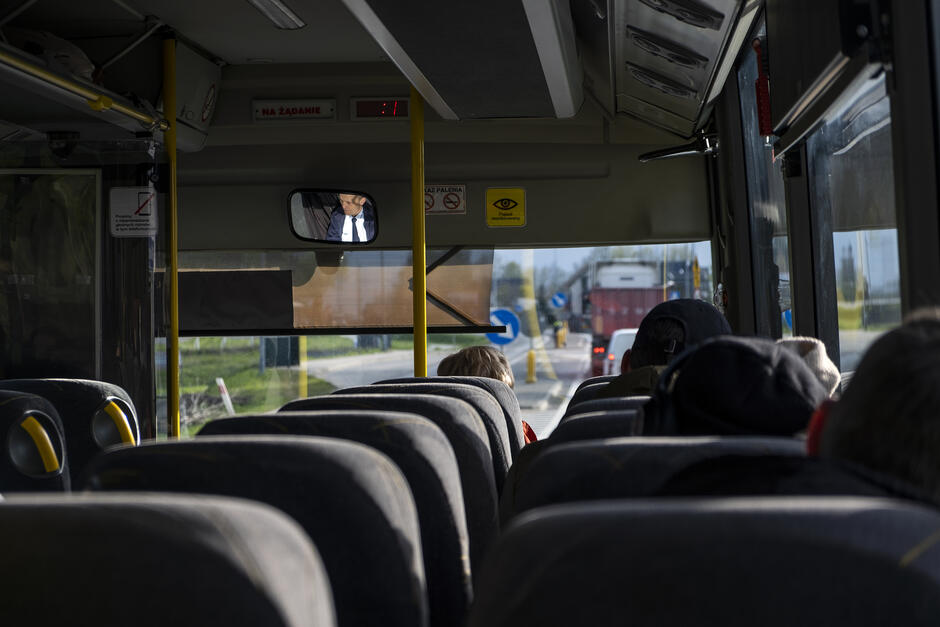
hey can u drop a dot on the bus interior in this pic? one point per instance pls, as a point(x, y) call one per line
point(178, 258)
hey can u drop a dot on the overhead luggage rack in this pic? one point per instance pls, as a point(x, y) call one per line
point(66, 102)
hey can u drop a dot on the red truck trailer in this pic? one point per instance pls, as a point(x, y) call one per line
point(621, 293)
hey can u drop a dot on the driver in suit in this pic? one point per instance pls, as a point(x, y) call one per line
point(353, 220)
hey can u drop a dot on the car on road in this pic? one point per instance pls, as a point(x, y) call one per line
point(620, 341)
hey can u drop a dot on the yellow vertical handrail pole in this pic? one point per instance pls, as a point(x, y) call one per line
point(302, 349)
point(173, 333)
point(418, 261)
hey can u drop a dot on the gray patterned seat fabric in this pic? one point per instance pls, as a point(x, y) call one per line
point(500, 391)
point(90, 425)
point(483, 402)
point(33, 454)
point(774, 562)
point(605, 404)
point(627, 467)
point(421, 451)
point(154, 560)
point(351, 500)
point(585, 393)
point(604, 378)
point(464, 430)
point(613, 423)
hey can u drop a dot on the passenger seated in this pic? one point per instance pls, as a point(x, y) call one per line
point(667, 330)
point(888, 419)
point(734, 386)
point(813, 353)
point(482, 361)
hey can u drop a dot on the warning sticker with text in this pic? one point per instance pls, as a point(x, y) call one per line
point(505, 206)
point(133, 211)
point(445, 199)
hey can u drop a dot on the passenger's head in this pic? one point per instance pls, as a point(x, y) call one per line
point(351, 203)
point(813, 353)
point(888, 419)
point(673, 326)
point(735, 386)
point(477, 361)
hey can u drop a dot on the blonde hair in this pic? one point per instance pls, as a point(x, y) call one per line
point(477, 361)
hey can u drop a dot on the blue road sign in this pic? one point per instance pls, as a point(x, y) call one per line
point(559, 300)
point(501, 317)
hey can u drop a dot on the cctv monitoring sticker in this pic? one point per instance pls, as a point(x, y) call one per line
point(505, 206)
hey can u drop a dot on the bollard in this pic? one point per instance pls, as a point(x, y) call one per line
point(530, 367)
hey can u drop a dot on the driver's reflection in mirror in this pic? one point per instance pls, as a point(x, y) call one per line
point(353, 220)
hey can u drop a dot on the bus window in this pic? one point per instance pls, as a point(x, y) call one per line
point(586, 292)
point(770, 256)
point(851, 178)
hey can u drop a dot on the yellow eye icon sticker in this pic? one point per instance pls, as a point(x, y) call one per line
point(505, 206)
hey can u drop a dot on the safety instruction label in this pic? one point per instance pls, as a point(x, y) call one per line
point(445, 199)
point(505, 206)
point(133, 211)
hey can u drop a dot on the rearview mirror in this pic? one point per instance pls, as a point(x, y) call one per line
point(334, 216)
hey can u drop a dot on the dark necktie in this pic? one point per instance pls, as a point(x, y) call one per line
point(355, 231)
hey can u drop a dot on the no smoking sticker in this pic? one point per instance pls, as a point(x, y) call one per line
point(449, 199)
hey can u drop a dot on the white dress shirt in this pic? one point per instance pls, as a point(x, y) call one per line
point(360, 226)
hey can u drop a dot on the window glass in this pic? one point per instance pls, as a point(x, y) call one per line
point(552, 298)
point(770, 256)
point(852, 179)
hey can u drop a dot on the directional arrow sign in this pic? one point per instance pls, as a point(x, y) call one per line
point(504, 317)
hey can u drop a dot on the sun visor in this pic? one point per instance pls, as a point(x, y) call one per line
point(528, 49)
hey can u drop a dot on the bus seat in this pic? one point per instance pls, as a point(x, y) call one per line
point(153, 560)
point(351, 500)
point(466, 434)
point(590, 426)
point(627, 467)
point(519, 468)
point(604, 404)
point(499, 390)
point(604, 378)
point(784, 475)
point(585, 393)
point(422, 452)
point(34, 455)
point(95, 415)
point(614, 423)
point(773, 561)
point(484, 404)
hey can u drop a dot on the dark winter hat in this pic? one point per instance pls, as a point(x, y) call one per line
point(737, 386)
point(699, 320)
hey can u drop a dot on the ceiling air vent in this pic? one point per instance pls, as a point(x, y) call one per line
point(689, 11)
point(665, 49)
point(660, 83)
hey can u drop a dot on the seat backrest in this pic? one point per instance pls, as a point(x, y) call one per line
point(591, 426)
point(628, 467)
point(95, 415)
point(33, 457)
point(604, 378)
point(484, 404)
point(153, 560)
point(421, 451)
point(351, 500)
point(464, 430)
point(605, 404)
point(773, 561)
point(503, 394)
point(585, 393)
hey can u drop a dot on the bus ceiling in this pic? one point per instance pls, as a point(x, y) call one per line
point(660, 61)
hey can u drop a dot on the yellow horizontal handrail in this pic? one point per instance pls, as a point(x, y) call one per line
point(97, 101)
